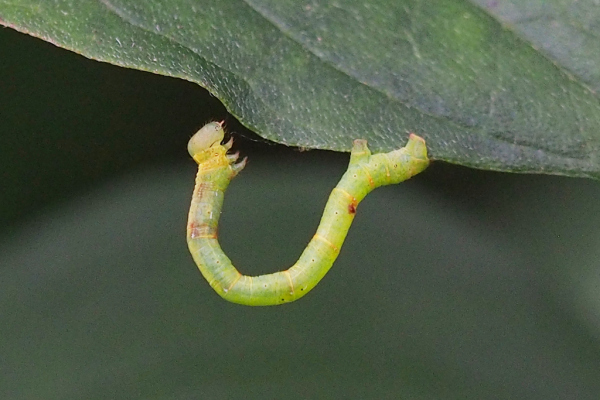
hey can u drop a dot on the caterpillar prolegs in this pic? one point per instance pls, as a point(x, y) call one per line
point(216, 168)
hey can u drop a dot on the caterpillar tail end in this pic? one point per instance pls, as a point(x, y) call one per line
point(417, 149)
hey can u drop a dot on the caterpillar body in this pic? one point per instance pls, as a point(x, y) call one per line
point(216, 168)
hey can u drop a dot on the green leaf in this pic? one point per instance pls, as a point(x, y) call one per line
point(319, 74)
point(566, 31)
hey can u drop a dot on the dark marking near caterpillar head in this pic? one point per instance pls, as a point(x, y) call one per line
point(351, 208)
point(197, 230)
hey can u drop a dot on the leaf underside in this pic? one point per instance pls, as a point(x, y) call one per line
point(492, 84)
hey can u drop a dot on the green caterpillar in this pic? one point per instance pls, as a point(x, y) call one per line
point(216, 168)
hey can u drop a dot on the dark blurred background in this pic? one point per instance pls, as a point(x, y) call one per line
point(459, 284)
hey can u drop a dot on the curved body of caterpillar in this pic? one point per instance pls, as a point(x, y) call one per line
point(216, 168)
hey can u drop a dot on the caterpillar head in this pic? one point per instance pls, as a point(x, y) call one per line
point(209, 135)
